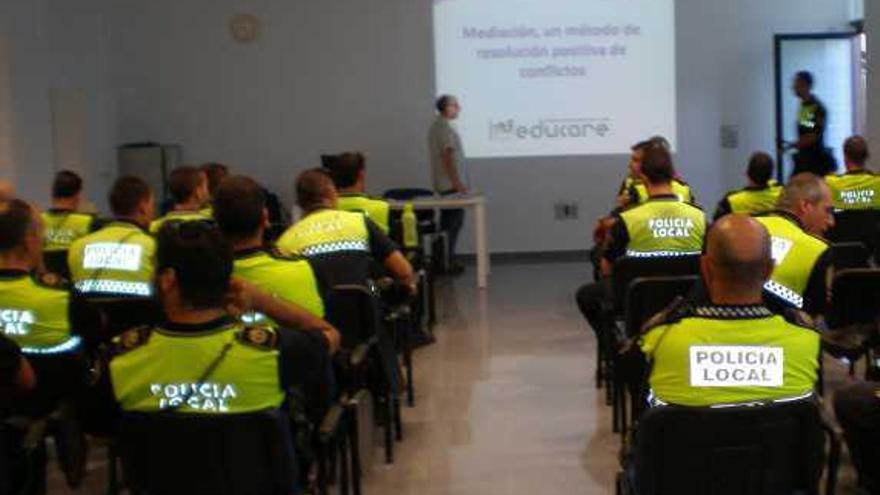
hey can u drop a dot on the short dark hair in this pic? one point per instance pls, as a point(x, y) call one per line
point(805, 76)
point(442, 102)
point(238, 206)
point(66, 184)
point(201, 259)
point(312, 188)
point(344, 170)
point(16, 217)
point(855, 149)
point(760, 168)
point(183, 182)
point(657, 165)
point(216, 172)
point(127, 193)
point(641, 145)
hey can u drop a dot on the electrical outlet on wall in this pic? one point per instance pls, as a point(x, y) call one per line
point(565, 210)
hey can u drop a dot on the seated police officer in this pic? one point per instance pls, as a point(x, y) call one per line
point(34, 309)
point(341, 244)
point(34, 314)
point(117, 260)
point(662, 226)
point(189, 190)
point(203, 359)
point(759, 196)
point(634, 191)
point(349, 174)
point(240, 210)
point(858, 188)
point(63, 223)
point(857, 407)
point(732, 350)
point(802, 258)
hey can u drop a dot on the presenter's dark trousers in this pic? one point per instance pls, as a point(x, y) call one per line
point(451, 222)
point(858, 410)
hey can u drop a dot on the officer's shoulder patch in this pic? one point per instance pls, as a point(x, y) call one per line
point(276, 253)
point(51, 281)
point(799, 318)
point(131, 339)
point(675, 312)
point(261, 337)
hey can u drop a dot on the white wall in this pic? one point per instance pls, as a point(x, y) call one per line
point(345, 74)
point(51, 45)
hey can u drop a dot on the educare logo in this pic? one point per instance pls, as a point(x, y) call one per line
point(580, 128)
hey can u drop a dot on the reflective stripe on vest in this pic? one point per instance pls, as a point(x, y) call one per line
point(661, 254)
point(113, 287)
point(785, 293)
point(68, 345)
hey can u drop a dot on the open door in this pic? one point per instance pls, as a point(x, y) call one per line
point(837, 62)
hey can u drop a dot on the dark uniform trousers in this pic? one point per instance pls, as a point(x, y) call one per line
point(858, 410)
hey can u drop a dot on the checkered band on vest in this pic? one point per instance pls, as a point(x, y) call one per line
point(784, 293)
point(336, 247)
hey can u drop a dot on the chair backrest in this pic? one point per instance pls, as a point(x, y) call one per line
point(856, 226)
point(850, 255)
point(188, 454)
point(647, 296)
point(855, 297)
point(354, 311)
point(56, 262)
point(99, 319)
point(759, 450)
point(629, 268)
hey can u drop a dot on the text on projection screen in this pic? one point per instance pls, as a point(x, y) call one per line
point(557, 77)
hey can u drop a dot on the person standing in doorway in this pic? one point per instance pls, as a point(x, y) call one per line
point(448, 170)
point(810, 153)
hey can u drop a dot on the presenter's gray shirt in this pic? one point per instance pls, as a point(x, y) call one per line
point(441, 136)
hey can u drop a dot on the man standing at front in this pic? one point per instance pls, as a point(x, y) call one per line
point(447, 170)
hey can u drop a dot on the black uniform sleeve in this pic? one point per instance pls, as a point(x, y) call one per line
point(10, 361)
point(618, 240)
point(723, 209)
point(381, 246)
point(816, 293)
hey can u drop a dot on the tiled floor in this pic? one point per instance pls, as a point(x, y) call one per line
point(506, 403)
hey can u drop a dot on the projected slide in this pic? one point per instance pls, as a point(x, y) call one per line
point(557, 77)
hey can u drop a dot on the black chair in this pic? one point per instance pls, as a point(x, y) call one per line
point(850, 255)
point(368, 358)
point(646, 297)
point(623, 273)
point(56, 262)
point(629, 268)
point(189, 454)
point(772, 449)
point(852, 318)
point(99, 319)
point(855, 297)
point(857, 226)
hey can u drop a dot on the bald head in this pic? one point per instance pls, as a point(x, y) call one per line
point(738, 257)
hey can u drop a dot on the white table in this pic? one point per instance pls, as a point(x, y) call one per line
point(475, 202)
